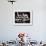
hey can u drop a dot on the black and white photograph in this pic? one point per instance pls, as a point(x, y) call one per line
point(23, 18)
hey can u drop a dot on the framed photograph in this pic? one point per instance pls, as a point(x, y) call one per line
point(23, 18)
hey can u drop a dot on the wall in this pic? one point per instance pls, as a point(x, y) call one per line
point(9, 31)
